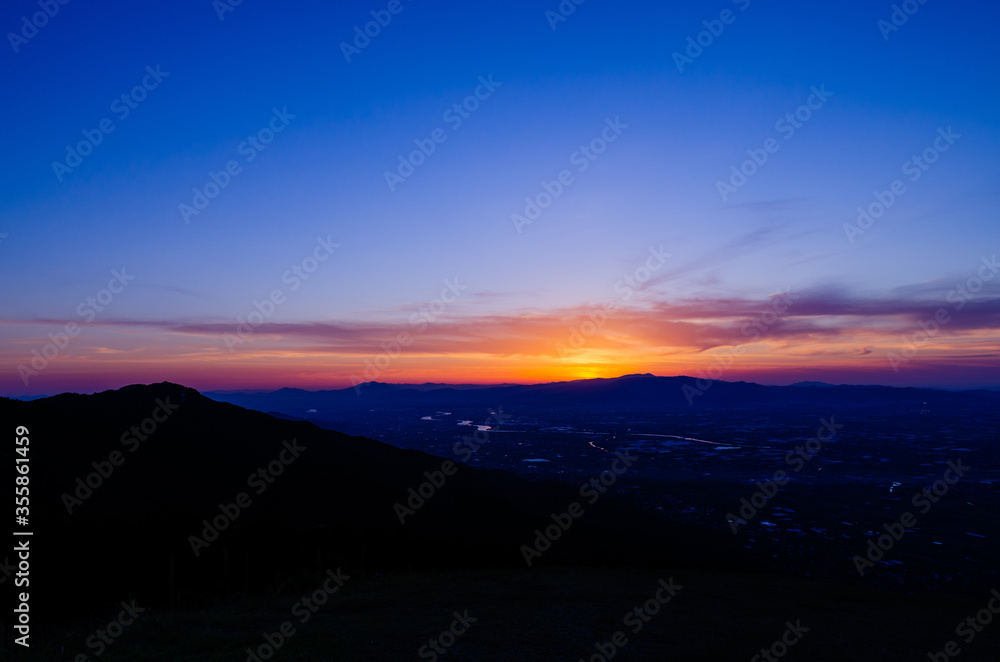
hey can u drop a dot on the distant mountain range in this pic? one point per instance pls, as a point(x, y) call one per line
point(629, 391)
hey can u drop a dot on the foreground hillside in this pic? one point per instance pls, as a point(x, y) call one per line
point(159, 493)
point(168, 526)
point(546, 614)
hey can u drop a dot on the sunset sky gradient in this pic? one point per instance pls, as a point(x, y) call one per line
point(639, 264)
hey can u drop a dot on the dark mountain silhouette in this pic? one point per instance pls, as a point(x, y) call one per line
point(333, 505)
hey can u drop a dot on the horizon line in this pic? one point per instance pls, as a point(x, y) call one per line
point(444, 385)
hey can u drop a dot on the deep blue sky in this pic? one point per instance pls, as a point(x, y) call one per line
point(656, 185)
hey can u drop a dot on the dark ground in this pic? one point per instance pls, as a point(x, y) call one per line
point(549, 614)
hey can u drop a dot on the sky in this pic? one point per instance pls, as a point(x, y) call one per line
point(262, 195)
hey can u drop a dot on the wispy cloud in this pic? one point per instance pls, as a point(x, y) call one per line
point(820, 315)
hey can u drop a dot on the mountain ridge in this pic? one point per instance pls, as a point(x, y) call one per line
point(642, 390)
